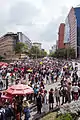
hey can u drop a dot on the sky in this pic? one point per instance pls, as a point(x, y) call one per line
point(38, 19)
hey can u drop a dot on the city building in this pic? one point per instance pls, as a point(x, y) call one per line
point(72, 30)
point(56, 44)
point(23, 38)
point(53, 49)
point(8, 43)
point(37, 44)
point(61, 36)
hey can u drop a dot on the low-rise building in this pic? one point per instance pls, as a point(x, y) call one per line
point(23, 38)
point(8, 43)
point(37, 44)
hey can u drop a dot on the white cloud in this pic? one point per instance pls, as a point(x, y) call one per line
point(39, 19)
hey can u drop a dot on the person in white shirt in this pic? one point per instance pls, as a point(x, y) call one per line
point(75, 90)
point(45, 102)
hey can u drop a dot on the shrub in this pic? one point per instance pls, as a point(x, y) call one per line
point(66, 116)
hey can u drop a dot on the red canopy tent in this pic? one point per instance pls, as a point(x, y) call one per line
point(19, 89)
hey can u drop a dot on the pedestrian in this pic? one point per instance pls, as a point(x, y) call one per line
point(51, 99)
point(69, 91)
point(39, 103)
point(8, 111)
point(26, 110)
point(45, 102)
point(63, 94)
point(57, 96)
point(75, 90)
point(35, 92)
point(2, 113)
point(1, 85)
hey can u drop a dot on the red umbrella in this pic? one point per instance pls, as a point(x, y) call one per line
point(5, 97)
point(19, 89)
point(3, 64)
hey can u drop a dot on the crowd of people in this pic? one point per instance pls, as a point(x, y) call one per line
point(38, 74)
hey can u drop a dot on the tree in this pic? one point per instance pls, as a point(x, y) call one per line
point(43, 53)
point(35, 52)
point(20, 48)
point(64, 53)
point(70, 53)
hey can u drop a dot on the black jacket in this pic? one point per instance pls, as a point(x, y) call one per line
point(51, 98)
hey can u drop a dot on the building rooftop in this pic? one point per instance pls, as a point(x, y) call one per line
point(36, 43)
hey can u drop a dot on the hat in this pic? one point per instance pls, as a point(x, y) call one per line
point(26, 104)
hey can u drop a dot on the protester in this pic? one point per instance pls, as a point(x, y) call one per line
point(26, 110)
point(39, 103)
point(57, 95)
point(1, 85)
point(51, 99)
point(75, 90)
point(2, 113)
point(45, 102)
point(64, 95)
point(38, 74)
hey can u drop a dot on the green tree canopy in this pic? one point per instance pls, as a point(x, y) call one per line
point(35, 52)
point(21, 47)
point(64, 53)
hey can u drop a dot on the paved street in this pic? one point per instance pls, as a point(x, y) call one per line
point(47, 87)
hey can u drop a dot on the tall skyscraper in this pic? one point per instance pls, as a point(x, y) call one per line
point(72, 30)
point(61, 36)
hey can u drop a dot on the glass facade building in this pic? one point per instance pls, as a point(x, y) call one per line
point(72, 30)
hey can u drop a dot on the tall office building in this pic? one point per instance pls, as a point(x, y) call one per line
point(8, 43)
point(72, 30)
point(61, 36)
point(23, 38)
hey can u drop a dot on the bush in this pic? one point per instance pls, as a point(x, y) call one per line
point(50, 116)
point(66, 116)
